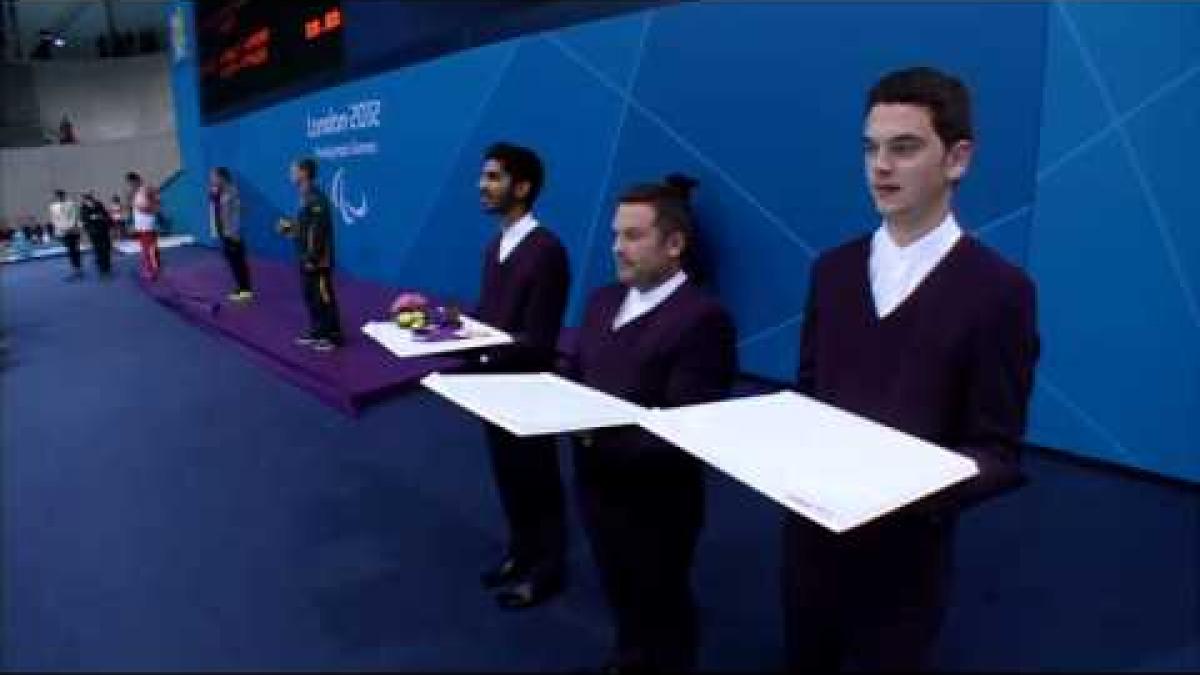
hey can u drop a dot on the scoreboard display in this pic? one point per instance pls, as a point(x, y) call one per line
point(255, 53)
point(250, 48)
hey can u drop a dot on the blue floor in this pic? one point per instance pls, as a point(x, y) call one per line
point(168, 505)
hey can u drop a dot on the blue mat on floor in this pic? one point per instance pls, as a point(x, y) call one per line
point(170, 505)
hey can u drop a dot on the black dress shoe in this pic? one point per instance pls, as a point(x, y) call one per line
point(531, 589)
point(505, 572)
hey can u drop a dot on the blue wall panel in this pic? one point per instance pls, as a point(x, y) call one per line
point(762, 102)
point(183, 201)
point(1115, 248)
point(1083, 113)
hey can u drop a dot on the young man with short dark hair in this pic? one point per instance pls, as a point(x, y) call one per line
point(525, 279)
point(921, 327)
point(312, 230)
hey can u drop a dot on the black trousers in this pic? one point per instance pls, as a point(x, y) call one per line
point(643, 520)
point(867, 600)
point(322, 305)
point(71, 240)
point(101, 248)
point(235, 255)
point(526, 471)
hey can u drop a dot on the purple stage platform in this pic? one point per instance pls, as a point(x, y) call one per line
point(361, 372)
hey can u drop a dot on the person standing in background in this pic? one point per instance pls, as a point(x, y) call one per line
point(99, 226)
point(64, 219)
point(66, 131)
point(922, 327)
point(144, 207)
point(523, 291)
point(312, 230)
point(224, 219)
point(116, 211)
point(655, 338)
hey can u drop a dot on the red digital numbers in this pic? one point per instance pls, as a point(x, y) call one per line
point(251, 52)
point(322, 25)
point(312, 29)
point(259, 38)
point(254, 50)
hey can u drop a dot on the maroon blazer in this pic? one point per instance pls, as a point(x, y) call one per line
point(952, 364)
point(525, 296)
point(682, 352)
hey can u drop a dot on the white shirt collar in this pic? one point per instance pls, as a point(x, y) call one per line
point(514, 234)
point(941, 237)
point(638, 302)
point(896, 271)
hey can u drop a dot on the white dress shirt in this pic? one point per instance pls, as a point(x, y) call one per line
point(64, 216)
point(638, 302)
point(514, 234)
point(897, 271)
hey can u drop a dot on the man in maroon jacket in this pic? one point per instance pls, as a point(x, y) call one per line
point(658, 340)
point(524, 293)
point(920, 327)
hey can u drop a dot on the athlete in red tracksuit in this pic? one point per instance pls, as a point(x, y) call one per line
point(144, 208)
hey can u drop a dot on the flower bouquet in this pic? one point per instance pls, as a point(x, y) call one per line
point(428, 322)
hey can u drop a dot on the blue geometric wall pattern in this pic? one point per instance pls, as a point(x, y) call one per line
point(1086, 122)
point(762, 102)
point(1115, 246)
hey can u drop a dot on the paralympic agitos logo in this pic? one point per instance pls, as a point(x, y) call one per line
point(364, 115)
point(350, 211)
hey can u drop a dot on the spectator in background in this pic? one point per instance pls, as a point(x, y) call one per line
point(26, 224)
point(30, 228)
point(66, 131)
point(99, 226)
point(116, 211)
point(21, 244)
point(132, 182)
point(64, 218)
